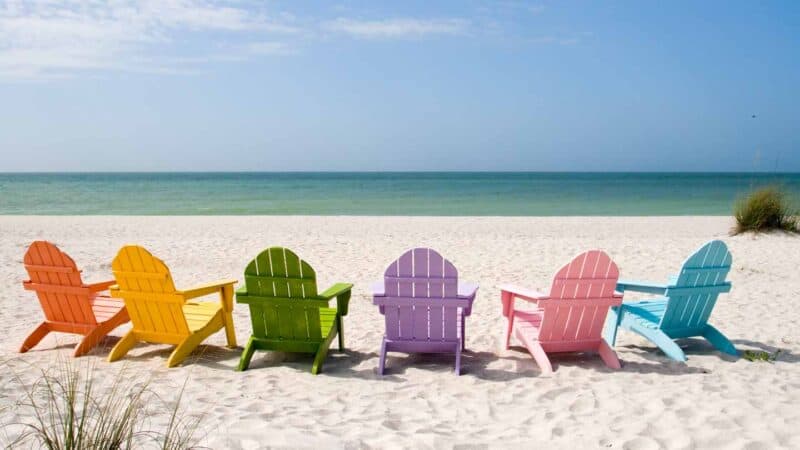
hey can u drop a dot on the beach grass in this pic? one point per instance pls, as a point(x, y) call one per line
point(66, 407)
point(765, 209)
point(761, 356)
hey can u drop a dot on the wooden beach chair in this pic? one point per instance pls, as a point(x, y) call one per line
point(69, 305)
point(162, 314)
point(424, 306)
point(570, 318)
point(287, 312)
point(684, 304)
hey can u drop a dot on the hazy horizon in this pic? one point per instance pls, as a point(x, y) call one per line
point(244, 86)
point(98, 172)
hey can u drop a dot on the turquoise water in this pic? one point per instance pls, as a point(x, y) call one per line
point(450, 193)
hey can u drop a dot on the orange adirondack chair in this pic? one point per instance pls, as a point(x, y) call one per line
point(69, 305)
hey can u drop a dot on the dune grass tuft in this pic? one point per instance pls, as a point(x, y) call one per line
point(765, 209)
point(66, 408)
point(761, 356)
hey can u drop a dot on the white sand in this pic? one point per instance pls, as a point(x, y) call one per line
point(501, 399)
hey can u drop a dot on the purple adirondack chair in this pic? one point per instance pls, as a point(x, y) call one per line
point(424, 306)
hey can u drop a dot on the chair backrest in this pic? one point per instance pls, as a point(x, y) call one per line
point(580, 296)
point(693, 295)
point(425, 288)
point(279, 272)
point(282, 292)
point(57, 283)
point(145, 284)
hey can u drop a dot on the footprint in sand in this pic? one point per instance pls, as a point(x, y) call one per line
point(641, 443)
point(758, 445)
point(554, 393)
point(583, 406)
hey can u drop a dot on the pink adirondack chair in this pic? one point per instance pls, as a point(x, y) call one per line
point(571, 317)
point(424, 306)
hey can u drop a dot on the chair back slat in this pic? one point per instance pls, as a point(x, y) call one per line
point(697, 287)
point(581, 293)
point(145, 284)
point(285, 301)
point(421, 274)
point(57, 282)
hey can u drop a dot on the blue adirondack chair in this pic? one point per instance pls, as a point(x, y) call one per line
point(684, 307)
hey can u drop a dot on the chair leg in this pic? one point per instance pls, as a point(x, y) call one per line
point(123, 346)
point(247, 355)
point(35, 337)
point(185, 348)
point(719, 341)
point(319, 359)
point(463, 331)
point(509, 329)
point(608, 355)
point(227, 315)
point(458, 359)
point(541, 358)
point(322, 351)
point(340, 325)
point(91, 340)
point(612, 325)
point(382, 358)
point(664, 342)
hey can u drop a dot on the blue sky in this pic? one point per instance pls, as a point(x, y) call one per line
point(414, 85)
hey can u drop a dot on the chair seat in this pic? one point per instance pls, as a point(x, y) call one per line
point(105, 308)
point(648, 310)
point(528, 322)
point(199, 314)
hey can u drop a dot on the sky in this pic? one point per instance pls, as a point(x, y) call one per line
point(240, 85)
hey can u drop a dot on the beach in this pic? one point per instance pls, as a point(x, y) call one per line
point(501, 400)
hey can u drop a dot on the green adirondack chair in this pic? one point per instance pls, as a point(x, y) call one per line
point(286, 311)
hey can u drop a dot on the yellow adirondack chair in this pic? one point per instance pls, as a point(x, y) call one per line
point(160, 313)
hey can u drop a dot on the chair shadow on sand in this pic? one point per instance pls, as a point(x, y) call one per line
point(781, 354)
point(338, 363)
point(476, 364)
point(589, 361)
point(662, 364)
point(213, 356)
point(351, 363)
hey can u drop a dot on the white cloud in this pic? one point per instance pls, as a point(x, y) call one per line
point(397, 28)
point(47, 38)
point(44, 39)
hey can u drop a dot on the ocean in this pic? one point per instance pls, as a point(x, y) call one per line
point(382, 193)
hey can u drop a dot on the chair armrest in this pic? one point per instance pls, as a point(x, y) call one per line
point(467, 289)
point(342, 292)
point(530, 295)
point(207, 289)
point(336, 290)
point(378, 288)
point(101, 286)
point(641, 286)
